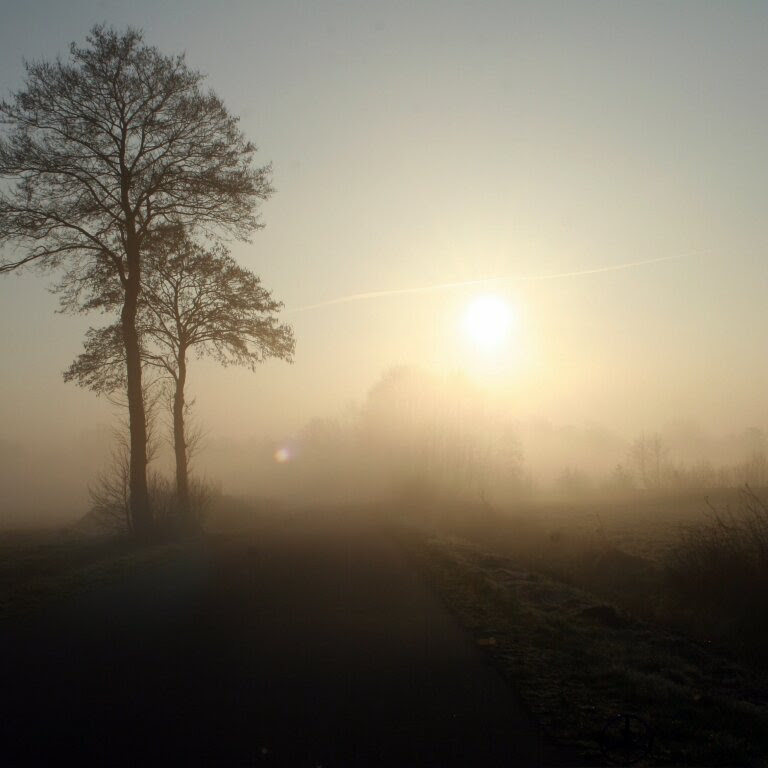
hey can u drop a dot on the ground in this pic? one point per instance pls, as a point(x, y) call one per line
point(308, 641)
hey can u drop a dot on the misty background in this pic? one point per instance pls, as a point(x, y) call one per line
point(451, 142)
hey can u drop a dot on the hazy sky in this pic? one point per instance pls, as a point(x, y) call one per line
point(421, 143)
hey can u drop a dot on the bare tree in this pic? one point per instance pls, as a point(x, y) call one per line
point(101, 150)
point(649, 456)
point(194, 299)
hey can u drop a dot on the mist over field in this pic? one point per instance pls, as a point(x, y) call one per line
point(414, 436)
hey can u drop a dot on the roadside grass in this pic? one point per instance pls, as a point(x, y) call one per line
point(697, 565)
point(578, 661)
point(37, 567)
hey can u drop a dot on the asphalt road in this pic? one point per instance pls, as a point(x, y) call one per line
point(308, 644)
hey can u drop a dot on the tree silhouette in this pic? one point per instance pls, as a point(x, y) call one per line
point(194, 299)
point(99, 152)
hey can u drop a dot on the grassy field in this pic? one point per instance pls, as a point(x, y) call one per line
point(40, 566)
point(574, 604)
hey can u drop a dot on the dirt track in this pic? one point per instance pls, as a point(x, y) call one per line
point(303, 645)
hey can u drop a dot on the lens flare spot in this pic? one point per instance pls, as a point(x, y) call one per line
point(283, 455)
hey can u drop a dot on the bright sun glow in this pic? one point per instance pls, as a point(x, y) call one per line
point(487, 321)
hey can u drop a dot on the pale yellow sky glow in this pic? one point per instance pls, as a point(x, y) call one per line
point(367, 295)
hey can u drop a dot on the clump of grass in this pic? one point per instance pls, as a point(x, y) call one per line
point(717, 575)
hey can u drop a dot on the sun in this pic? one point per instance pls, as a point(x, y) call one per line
point(486, 321)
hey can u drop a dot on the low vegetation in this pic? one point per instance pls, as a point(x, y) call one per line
point(652, 606)
point(717, 576)
point(578, 662)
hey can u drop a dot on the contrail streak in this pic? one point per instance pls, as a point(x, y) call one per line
point(481, 281)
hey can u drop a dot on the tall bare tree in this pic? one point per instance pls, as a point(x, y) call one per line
point(195, 299)
point(100, 150)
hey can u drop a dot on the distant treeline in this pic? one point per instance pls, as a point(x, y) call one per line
point(650, 465)
point(421, 435)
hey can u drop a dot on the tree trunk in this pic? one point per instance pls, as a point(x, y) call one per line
point(141, 514)
point(180, 445)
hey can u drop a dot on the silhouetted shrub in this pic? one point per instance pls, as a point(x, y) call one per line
point(717, 574)
point(109, 496)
